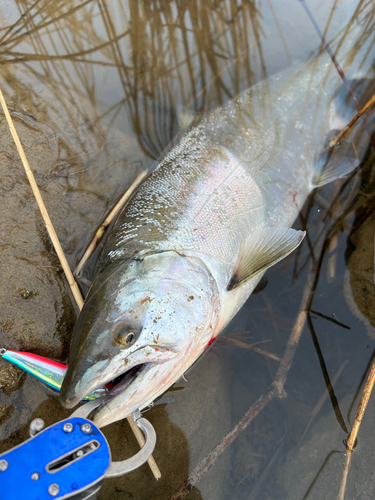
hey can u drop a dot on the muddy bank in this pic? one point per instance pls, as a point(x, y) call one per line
point(36, 311)
point(359, 285)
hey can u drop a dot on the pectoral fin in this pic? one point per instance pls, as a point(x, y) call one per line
point(262, 250)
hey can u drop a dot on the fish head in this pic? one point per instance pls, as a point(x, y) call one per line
point(144, 322)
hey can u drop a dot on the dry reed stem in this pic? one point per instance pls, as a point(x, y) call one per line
point(357, 423)
point(251, 347)
point(292, 344)
point(362, 407)
point(331, 267)
point(141, 441)
point(336, 139)
point(102, 229)
point(347, 463)
point(60, 253)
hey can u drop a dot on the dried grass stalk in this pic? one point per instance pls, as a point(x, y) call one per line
point(336, 139)
point(357, 423)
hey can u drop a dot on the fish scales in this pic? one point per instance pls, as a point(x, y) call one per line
point(210, 189)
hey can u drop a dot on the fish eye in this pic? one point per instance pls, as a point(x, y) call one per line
point(124, 335)
point(129, 337)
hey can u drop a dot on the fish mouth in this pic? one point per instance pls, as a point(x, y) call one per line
point(117, 386)
point(120, 383)
point(135, 387)
point(115, 375)
point(123, 381)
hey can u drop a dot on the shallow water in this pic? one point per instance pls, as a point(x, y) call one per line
point(98, 90)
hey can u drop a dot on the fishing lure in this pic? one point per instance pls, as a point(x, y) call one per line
point(47, 371)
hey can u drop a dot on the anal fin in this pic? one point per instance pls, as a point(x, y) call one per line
point(334, 163)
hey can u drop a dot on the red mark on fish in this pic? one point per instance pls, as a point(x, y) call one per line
point(294, 198)
point(210, 341)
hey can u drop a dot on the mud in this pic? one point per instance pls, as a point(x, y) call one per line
point(36, 310)
point(359, 283)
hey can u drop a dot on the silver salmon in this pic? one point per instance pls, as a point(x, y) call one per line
point(193, 242)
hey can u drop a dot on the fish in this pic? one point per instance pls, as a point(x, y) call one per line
point(195, 239)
